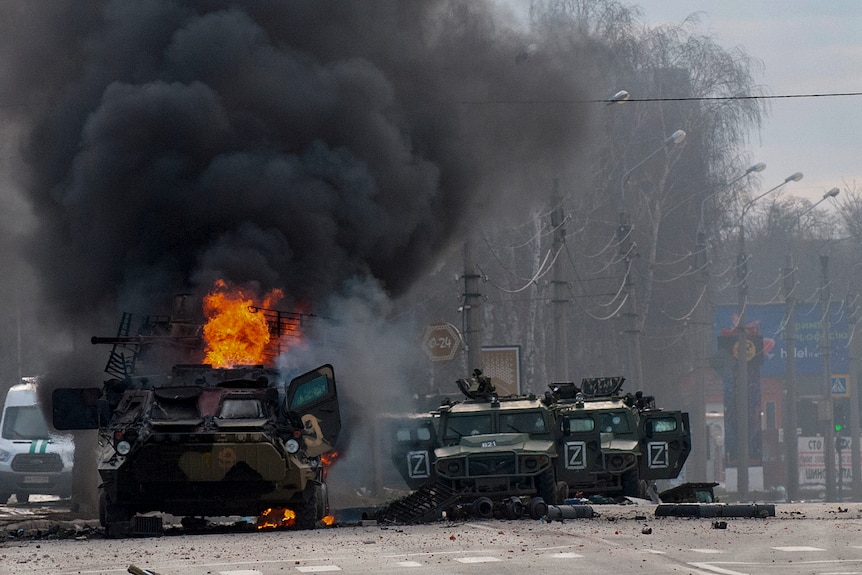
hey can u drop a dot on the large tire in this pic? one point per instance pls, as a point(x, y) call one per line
point(561, 492)
point(537, 508)
point(103, 507)
point(546, 486)
point(322, 501)
point(483, 507)
point(22, 497)
point(306, 509)
point(513, 508)
point(4, 497)
point(112, 517)
point(632, 484)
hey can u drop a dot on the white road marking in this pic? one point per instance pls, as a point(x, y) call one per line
point(707, 550)
point(565, 555)
point(409, 564)
point(242, 572)
point(713, 568)
point(799, 548)
point(653, 551)
point(318, 568)
point(478, 559)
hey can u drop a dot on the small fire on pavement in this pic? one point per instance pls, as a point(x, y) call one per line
point(276, 518)
point(281, 518)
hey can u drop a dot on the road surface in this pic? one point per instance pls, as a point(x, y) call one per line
point(814, 538)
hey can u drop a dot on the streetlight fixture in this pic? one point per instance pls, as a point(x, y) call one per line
point(674, 138)
point(620, 96)
point(791, 449)
point(624, 240)
point(758, 167)
point(743, 351)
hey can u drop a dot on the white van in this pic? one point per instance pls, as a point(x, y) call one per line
point(33, 459)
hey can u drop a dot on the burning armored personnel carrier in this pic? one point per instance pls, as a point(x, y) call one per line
point(201, 441)
point(509, 455)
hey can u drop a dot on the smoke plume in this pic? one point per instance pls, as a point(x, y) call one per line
point(295, 144)
point(321, 147)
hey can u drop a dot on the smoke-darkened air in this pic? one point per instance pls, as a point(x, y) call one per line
point(295, 144)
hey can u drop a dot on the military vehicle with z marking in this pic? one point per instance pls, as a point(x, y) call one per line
point(201, 441)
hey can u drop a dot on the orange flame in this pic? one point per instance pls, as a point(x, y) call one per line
point(327, 459)
point(281, 518)
point(234, 334)
point(275, 518)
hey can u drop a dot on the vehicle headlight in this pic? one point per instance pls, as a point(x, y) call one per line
point(123, 447)
point(5, 455)
point(291, 445)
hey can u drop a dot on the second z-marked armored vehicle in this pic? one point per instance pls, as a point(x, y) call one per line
point(491, 455)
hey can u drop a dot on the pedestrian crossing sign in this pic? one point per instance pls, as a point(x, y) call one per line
point(839, 385)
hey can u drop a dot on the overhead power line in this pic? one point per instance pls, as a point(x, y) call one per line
point(701, 98)
point(507, 101)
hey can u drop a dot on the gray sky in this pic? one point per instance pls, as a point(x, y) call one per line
point(807, 47)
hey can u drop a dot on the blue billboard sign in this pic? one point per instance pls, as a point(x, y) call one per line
point(769, 322)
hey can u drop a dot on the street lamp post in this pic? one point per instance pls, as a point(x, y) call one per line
point(743, 351)
point(625, 248)
point(560, 300)
point(825, 409)
point(701, 263)
point(791, 449)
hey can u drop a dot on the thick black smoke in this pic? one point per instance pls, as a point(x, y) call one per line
point(295, 144)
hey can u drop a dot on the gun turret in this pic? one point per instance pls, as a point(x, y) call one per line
point(477, 387)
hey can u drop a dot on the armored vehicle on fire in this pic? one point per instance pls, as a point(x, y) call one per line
point(198, 441)
point(509, 455)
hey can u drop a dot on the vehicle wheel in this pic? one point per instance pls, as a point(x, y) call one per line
point(4, 497)
point(483, 507)
point(632, 485)
point(306, 509)
point(322, 501)
point(537, 508)
point(561, 492)
point(513, 508)
point(103, 507)
point(22, 497)
point(112, 517)
point(546, 486)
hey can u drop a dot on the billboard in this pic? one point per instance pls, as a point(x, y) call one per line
point(769, 322)
point(503, 365)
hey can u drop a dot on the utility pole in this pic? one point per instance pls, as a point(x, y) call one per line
point(791, 447)
point(560, 301)
point(741, 372)
point(826, 409)
point(624, 232)
point(853, 392)
point(789, 426)
point(701, 263)
point(472, 319)
point(699, 431)
point(745, 348)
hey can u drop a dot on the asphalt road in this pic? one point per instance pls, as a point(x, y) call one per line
point(811, 538)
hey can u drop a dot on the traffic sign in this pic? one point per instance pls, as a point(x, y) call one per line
point(442, 342)
point(839, 385)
